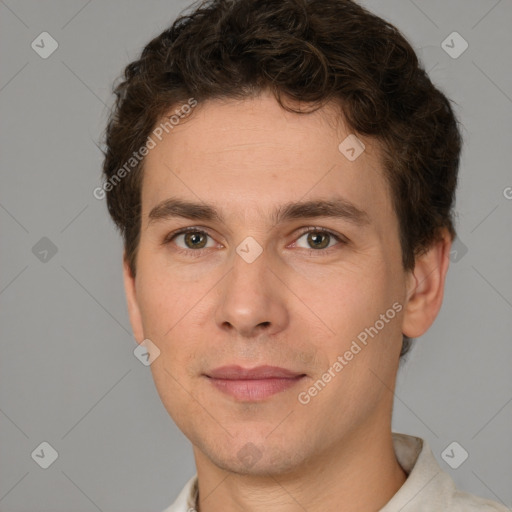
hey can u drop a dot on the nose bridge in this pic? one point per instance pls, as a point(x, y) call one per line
point(250, 256)
point(248, 277)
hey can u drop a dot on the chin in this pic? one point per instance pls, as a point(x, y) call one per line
point(258, 458)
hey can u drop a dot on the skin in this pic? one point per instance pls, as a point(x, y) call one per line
point(295, 306)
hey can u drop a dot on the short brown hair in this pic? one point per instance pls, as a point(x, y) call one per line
point(311, 51)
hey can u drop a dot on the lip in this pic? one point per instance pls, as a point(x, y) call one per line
point(234, 372)
point(253, 384)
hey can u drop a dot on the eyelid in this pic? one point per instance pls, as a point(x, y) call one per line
point(315, 229)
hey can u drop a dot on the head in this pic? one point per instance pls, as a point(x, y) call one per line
point(275, 118)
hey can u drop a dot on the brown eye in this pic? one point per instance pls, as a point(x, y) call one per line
point(195, 239)
point(318, 240)
point(190, 240)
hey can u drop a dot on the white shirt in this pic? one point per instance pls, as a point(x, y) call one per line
point(427, 488)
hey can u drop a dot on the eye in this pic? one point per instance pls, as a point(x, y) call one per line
point(189, 239)
point(319, 239)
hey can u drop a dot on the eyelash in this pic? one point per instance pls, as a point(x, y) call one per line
point(195, 253)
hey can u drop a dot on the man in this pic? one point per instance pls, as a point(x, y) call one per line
point(283, 174)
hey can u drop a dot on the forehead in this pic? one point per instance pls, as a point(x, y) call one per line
point(250, 155)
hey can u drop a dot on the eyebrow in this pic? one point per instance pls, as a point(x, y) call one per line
point(337, 208)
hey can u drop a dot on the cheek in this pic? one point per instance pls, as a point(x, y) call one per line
point(167, 310)
point(356, 301)
point(353, 298)
point(171, 310)
point(161, 300)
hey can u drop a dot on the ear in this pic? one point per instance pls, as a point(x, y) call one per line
point(131, 300)
point(426, 287)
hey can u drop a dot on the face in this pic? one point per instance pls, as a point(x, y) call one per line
point(263, 280)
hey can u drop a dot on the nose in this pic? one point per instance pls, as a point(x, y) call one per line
point(252, 299)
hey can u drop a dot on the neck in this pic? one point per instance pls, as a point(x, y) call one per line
point(362, 473)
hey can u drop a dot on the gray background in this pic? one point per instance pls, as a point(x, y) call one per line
point(68, 375)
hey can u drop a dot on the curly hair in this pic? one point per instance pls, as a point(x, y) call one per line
point(312, 51)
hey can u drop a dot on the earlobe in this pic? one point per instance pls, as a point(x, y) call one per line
point(426, 287)
point(132, 303)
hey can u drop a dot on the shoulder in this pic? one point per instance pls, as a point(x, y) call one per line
point(428, 488)
point(464, 501)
